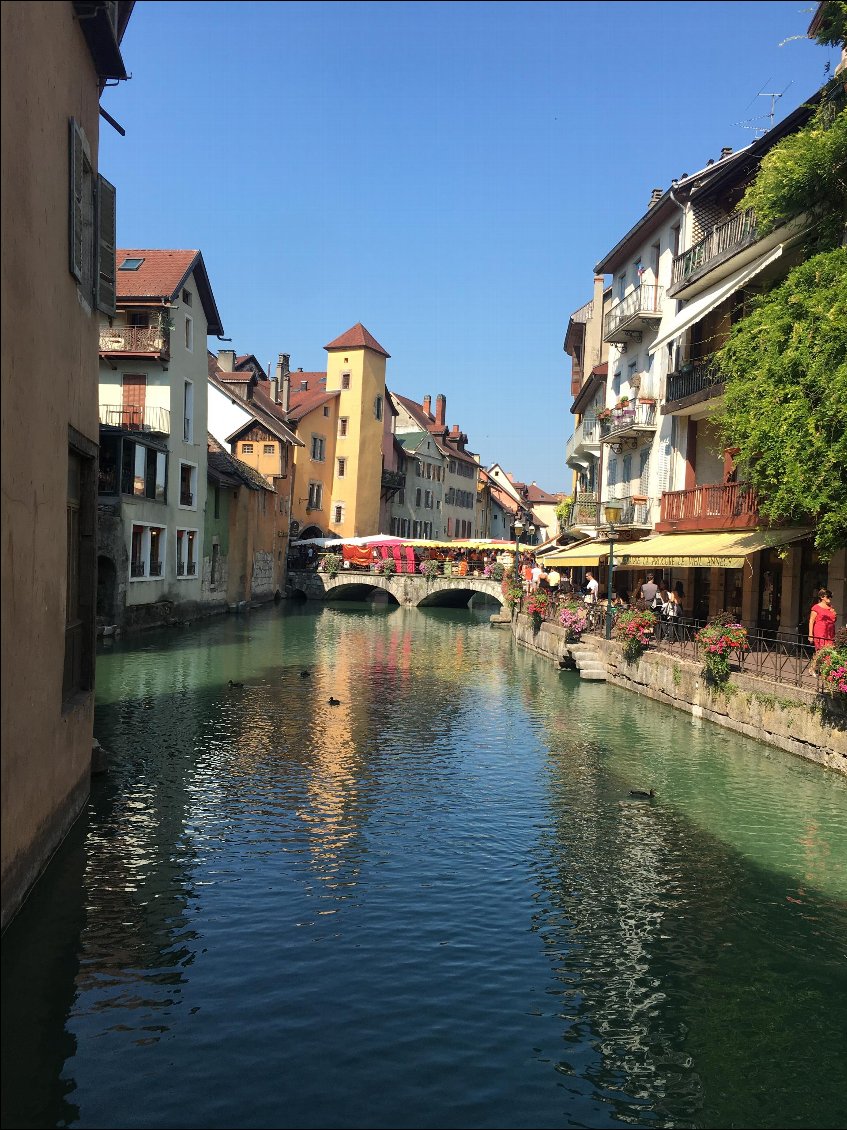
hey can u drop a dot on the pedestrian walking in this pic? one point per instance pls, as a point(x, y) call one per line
point(822, 621)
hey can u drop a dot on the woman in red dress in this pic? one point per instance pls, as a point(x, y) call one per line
point(822, 621)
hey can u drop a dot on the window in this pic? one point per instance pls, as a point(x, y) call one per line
point(268, 448)
point(188, 484)
point(449, 527)
point(342, 468)
point(637, 271)
point(342, 425)
point(316, 494)
point(130, 264)
point(616, 383)
point(338, 513)
point(345, 380)
point(378, 407)
point(147, 552)
point(217, 497)
point(186, 297)
point(143, 471)
point(189, 334)
point(92, 227)
point(401, 496)
point(621, 285)
point(188, 412)
point(186, 553)
point(80, 571)
point(247, 449)
point(418, 497)
point(428, 500)
point(675, 233)
point(626, 473)
point(326, 410)
point(655, 253)
point(613, 472)
point(318, 446)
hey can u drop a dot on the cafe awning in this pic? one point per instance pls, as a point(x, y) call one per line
point(726, 550)
point(588, 553)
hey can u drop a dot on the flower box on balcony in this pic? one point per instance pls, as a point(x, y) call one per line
point(639, 499)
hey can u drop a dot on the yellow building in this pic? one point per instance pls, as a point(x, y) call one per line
point(356, 370)
point(313, 414)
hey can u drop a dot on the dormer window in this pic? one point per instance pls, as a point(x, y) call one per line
point(304, 386)
point(130, 264)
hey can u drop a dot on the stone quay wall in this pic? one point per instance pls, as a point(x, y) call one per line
point(795, 719)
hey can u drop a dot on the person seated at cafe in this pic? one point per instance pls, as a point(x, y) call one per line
point(554, 579)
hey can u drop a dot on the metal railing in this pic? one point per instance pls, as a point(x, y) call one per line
point(731, 234)
point(155, 568)
point(638, 415)
point(644, 299)
point(717, 501)
point(134, 339)
point(137, 569)
point(692, 377)
point(186, 498)
point(136, 418)
point(585, 510)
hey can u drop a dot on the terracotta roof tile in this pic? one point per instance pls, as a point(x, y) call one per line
point(357, 337)
point(302, 403)
point(159, 276)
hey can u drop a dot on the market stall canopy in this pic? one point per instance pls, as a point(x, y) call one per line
point(588, 553)
point(728, 550)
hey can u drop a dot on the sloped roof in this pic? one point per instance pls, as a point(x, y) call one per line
point(357, 337)
point(261, 408)
point(233, 471)
point(161, 276)
point(439, 434)
point(302, 403)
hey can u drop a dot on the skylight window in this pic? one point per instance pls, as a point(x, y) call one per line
point(130, 264)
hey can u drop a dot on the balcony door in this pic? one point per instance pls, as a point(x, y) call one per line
point(134, 395)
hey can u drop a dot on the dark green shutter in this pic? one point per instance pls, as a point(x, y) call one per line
point(106, 240)
point(76, 157)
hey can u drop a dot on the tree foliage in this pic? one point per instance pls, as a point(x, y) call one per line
point(832, 30)
point(806, 173)
point(786, 397)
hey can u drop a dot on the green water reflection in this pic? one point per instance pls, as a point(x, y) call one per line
point(433, 905)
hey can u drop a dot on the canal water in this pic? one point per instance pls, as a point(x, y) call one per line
point(433, 905)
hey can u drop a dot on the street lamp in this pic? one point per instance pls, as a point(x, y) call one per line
point(518, 532)
point(613, 516)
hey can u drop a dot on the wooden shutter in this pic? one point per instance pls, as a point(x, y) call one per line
point(76, 160)
point(106, 241)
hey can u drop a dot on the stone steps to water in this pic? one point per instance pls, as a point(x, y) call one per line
point(591, 666)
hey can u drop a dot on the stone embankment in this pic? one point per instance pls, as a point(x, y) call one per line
point(794, 719)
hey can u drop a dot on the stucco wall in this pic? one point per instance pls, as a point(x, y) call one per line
point(790, 718)
point(49, 381)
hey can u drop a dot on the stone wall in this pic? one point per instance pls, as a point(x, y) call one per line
point(791, 718)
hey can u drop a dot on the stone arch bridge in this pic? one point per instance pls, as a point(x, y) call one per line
point(407, 589)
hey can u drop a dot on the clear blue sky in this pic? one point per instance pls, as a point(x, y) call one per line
point(445, 173)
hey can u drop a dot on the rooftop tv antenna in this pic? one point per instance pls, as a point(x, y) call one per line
point(750, 123)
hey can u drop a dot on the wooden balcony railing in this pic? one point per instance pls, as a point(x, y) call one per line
point(136, 418)
point(723, 240)
point(135, 339)
point(644, 304)
point(691, 378)
point(717, 506)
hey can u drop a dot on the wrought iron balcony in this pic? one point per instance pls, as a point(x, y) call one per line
point(155, 568)
point(692, 378)
point(716, 506)
point(723, 241)
point(136, 569)
point(636, 509)
point(584, 512)
point(628, 422)
point(135, 339)
point(636, 311)
point(136, 418)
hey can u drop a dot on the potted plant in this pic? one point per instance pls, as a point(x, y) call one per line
point(716, 643)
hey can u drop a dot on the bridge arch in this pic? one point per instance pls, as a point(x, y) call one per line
point(406, 589)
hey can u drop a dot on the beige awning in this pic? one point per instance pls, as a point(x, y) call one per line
point(672, 326)
point(588, 553)
point(725, 550)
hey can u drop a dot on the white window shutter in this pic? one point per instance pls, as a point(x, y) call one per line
point(107, 239)
point(76, 157)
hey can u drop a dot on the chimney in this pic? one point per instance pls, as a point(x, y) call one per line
point(440, 409)
point(655, 197)
point(454, 432)
point(427, 405)
point(282, 395)
point(226, 360)
point(726, 151)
